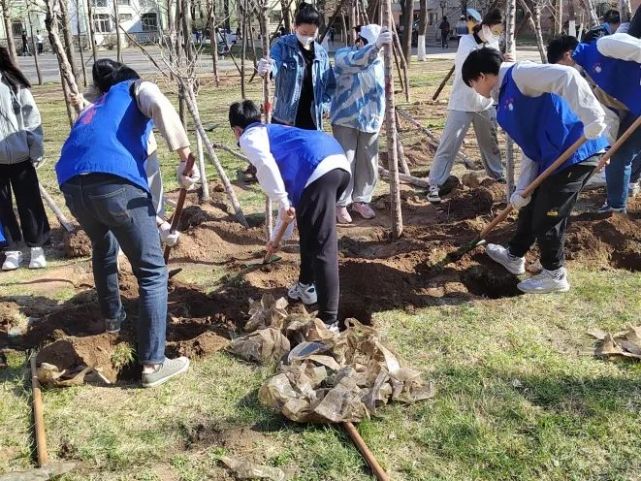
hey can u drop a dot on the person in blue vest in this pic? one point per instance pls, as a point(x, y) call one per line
point(613, 64)
point(544, 109)
point(304, 172)
point(611, 22)
point(103, 177)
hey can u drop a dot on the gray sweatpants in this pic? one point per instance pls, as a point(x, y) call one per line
point(455, 129)
point(361, 150)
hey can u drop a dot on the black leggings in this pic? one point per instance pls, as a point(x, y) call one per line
point(34, 226)
point(316, 217)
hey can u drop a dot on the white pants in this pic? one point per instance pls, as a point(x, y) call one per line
point(455, 129)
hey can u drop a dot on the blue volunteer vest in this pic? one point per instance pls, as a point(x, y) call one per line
point(620, 79)
point(544, 126)
point(110, 137)
point(3, 240)
point(297, 153)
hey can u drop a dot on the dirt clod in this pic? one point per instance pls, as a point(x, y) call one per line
point(76, 244)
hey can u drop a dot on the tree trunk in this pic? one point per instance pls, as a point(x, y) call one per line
point(35, 49)
point(213, 40)
point(226, 14)
point(243, 50)
point(287, 23)
point(588, 6)
point(82, 56)
point(558, 26)
point(510, 49)
point(353, 20)
point(267, 106)
point(422, 30)
point(625, 10)
point(68, 38)
point(407, 21)
point(6, 17)
point(118, 39)
point(390, 126)
point(252, 43)
point(92, 35)
point(535, 24)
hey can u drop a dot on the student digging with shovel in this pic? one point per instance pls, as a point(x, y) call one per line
point(103, 176)
point(545, 109)
point(304, 172)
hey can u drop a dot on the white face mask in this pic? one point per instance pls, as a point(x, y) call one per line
point(305, 40)
point(488, 35)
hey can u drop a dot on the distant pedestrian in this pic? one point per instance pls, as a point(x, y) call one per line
point(25, 44)
point(444, 27)
point(40, 42)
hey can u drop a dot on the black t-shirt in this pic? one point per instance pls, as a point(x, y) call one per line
point(304, 118)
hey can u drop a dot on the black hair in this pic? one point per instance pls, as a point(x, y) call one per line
point(243, 113)
point(106, 73)
point(307, 13)
point(493, 17)
point(559, 46)
point(635, 24)
point(612, 16)
point(481, 61)
point(11, 73)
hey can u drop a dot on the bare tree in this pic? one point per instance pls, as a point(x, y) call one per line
point(82, 57)
point(68, 39)
point(92, 33)
point(625, 10)
point(267, 106)
point(6, 18)
point(117, 25)
point(422, 30)
point(213, 38)
point(510, 49)
point(407, 18)
point(533, 13)
point(33, 43)
point(590, 9)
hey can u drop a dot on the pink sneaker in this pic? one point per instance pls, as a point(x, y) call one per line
point(342, 216)
point(364, 210)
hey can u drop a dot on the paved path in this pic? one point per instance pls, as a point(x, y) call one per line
point(139, 62)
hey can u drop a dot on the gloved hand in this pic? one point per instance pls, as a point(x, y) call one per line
point(518, 201)
point(187, 181)
point(36, 162)
point(264, 66)
point(595, 129)
point(166, 236)
point(384, 38)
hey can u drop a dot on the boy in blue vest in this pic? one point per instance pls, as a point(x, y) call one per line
point(544, 109)
point(102, 173)
point(304, 172)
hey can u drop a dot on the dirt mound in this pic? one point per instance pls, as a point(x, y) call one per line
point(76, 244)
point(193, 216)
point(468, 204)
point(9, 315)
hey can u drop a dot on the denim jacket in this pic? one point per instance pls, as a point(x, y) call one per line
point(288, 70)
point(359, 102)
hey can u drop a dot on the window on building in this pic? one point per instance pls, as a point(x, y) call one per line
point(149, 22)
point(125, 17)
point(17, 28)
point(102, 22)
point(99, 3)
point(124, 2)
point(146, 3)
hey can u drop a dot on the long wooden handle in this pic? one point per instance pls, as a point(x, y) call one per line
point(376, 468)
point(443, 83)
point(38, 416)
point(277, 239)
point(64, 222)
point(175, 221)
point(535, 184)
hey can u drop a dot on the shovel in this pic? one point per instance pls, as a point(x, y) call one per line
point(480, 239)
point(253, 266)
point(175, 221)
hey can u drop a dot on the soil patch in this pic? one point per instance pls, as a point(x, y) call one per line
point(76, 244)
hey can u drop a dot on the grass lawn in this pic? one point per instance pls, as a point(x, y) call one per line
point(519, 397)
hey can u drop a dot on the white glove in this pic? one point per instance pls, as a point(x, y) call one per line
point(168, 237)
point(187, 181)
point(264, 66)
point(595, 129)
point(384, 38)
point(518, 201)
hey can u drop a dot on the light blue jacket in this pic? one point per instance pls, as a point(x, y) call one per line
point(288, 70)
point(359, 101)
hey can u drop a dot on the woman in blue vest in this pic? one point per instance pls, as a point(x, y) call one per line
point(103, 177)
point(302, 74)
point(544, 109)
point(304, 172)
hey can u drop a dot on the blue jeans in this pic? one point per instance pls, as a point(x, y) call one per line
point(617, 174)
point(113, 211)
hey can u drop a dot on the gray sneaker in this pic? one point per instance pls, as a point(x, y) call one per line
point(165, 371)
point(112, 326)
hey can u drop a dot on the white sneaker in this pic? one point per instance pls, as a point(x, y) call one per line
point(334, 328)
point(38, 260)
point(306, 293)
point(433, 195)
point(514, 265)
point(342, 216)
point(546, 282)
point(12, 260)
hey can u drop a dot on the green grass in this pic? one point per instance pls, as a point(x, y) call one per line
point(518, 395)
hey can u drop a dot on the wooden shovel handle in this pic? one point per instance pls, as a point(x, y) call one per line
point(175, 221)
point(38, 416)
point(277, 239)
point(376, 468)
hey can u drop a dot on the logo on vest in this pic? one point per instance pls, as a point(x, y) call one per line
point(509, 103)
point(87, 116)
point(597, 68)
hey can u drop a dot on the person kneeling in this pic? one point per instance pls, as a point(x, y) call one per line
point(544, 109)
point(305, 172)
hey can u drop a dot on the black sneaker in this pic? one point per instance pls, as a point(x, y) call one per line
point(112, 326)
